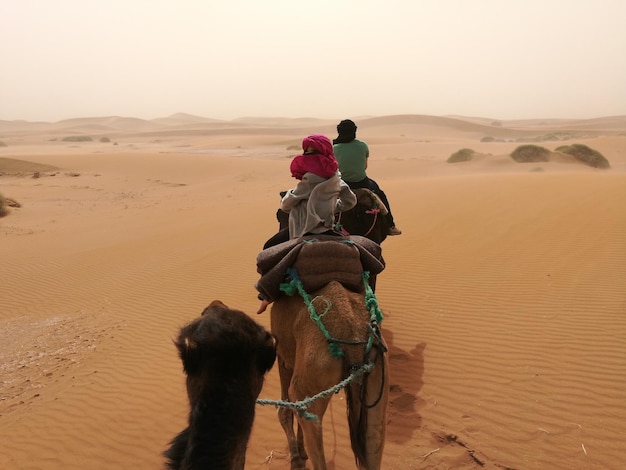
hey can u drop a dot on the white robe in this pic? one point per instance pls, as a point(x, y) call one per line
point(313, 203)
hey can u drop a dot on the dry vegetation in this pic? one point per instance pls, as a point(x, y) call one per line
point(463, 155)
point(585, 154)
point(530, 153)
point(3, 207)
point(77, 138)
point(5, 203)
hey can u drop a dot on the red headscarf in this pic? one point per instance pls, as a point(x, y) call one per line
point(323, 163)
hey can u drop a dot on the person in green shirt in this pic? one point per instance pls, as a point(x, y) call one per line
point(352, 154)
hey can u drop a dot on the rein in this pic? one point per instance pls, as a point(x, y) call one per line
point(375, 212)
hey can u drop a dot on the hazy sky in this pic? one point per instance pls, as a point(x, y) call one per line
point(223, 59)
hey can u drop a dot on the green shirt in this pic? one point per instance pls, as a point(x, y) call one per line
point(352, 158)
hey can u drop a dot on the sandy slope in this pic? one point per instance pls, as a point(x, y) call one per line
point(504, 298)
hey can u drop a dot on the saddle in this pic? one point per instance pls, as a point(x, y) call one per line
point(318, 259)
point(321, 262)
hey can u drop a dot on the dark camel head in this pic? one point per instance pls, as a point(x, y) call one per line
point(223, 347)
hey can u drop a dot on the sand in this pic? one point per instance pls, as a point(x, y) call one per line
point(504, 298)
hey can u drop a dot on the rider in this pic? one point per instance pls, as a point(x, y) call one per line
point(319, 194)
point(352, 155)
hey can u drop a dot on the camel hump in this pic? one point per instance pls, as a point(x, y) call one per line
point(321, 262)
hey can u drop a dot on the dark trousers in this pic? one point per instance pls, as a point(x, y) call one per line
point(280, 237)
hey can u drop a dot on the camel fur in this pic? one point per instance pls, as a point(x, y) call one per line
point(307, 367)
point(225, 355)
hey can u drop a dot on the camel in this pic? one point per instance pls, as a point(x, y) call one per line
point(367, 218)
point(307, 367)
point(225, 355)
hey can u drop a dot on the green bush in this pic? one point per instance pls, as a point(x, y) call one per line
point(105, 139)
point(2, 144)
point(530, 153)
point(545, 137)
point(487, 138)
point(463, 155)
point(3, 207)
point(77, 138)
point(585, 154)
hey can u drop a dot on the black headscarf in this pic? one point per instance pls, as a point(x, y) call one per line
point(347, 132)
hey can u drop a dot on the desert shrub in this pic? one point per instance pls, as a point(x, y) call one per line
point(585, 154)
point(530, 153)
point(2, 144)
point(3, 206)
point(558, 136)
point(77, 138)
point(294, 147)
point(105, 139)
point(487, 138)
point(545, 137)
point(463, 155)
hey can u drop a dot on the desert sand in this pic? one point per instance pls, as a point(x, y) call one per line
point(504, 298)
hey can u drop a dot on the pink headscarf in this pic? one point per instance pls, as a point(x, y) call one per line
point(323, 163)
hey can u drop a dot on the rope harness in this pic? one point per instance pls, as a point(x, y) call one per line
point(301, 406)
point(334, 345)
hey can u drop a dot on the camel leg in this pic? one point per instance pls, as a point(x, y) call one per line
point(301, 449)
point(313, 434)
point(285, 416)
point(376, 415)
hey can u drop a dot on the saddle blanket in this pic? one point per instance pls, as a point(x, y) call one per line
point(318, 259)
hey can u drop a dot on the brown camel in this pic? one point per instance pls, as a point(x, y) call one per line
point(307, 367)
point(367, 218)
point(225, 355)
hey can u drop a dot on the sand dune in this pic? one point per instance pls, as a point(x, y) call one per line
point(504, 299)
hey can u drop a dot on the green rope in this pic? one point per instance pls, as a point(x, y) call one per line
point(295, 285)
point(301, 406)
point(371, 303)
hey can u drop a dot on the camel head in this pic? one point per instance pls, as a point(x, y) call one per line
point(225, 348)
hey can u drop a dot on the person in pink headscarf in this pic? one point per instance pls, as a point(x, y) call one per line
point(318, 158)
point(319, 194)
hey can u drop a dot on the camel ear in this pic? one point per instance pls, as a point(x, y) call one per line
point(215, 305)
point(189, 344)
point(188, 352)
